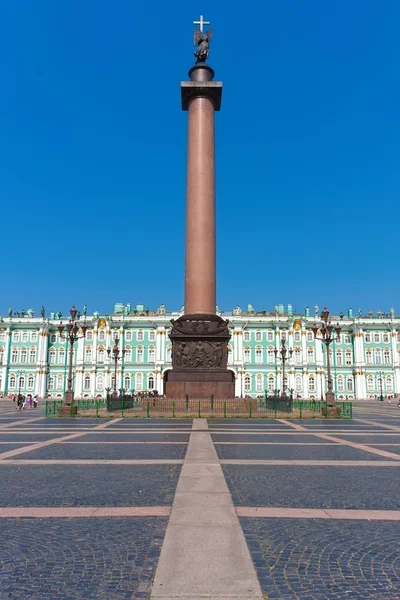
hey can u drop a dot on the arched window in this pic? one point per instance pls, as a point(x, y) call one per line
point(340, 384)
point(389, 384)
point(310, 336)
point(100, 355)
point(101, 335)
point(115, 335)
point(367, 338)
point(14, 355)
point(258, 336)
point(59, 383)
point(349, 357)
point(270, 336)
point(12, 382)
point(86, 383)
point(32, 356)
point(24, 337)
point(30, 382)
point(1, 383)
point(230, 355)
point(247, 384)
point(140, 335)
point(15, 337)
point(347, 338)
point(1, 355)
point(378, 356)
point(398, 336)
point(150, 382)
point(386, 356)
point(52, 357)
point(258, 355)
point(50, 383)
point(99, 383)
point(61, 357)
point(34, 336)
point(88, 354)
point(152, 335)
point(339, 358)
point(139, 355)
point(128, 335)
point(298, 383)
point(152, 354)
point(271, 383)
point(168, 354)
point(297, 356)
point(350, 386)
point(370, 383)
point(89, 335)
point(297, 336)
point(246, 355)
point(23, 355)
point(376, 338)
point(385, 338)
point(368, 355)
point(128, 354)
point(311, 383)
point(139, 382)
point(246, 336)
point(260, 383)
point(271, 356)
point(127, 382)
point(310, 355)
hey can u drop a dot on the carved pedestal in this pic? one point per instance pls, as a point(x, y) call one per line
point(199, 358)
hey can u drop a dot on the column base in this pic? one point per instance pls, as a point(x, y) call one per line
point(197, 384)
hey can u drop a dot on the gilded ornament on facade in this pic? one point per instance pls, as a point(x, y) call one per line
point(297, 324)
point(101, 323)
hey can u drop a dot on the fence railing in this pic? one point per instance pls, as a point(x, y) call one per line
point(158, 406)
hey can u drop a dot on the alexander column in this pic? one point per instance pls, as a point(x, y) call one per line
point(200, 337)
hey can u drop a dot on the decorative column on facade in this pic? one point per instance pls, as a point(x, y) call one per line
point(291, 359)
point(359, 364)
point(79, 367)
point(42, 362)
point(395, 362)
point(6, 359)
point(239, 353)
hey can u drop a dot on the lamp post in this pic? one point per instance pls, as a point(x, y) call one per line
point(283, 352)
point(380, 381)
point(72, 328)
point(116, 352)
point(329, 333)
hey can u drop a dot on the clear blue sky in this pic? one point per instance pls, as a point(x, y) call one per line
point(93, 150)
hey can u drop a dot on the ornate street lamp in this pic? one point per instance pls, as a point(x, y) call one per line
point(328, 333)
point(72, 336)
point(283, 354)
point(116, 352)
point(380, 381)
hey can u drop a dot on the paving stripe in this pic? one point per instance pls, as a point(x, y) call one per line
point(314, 463)
point(140, 443)
point(107, 423)
point(36, 446)
point(21, 422)
point(391, 427)
point(250, 443)
point(364, 447)
point(317, 513)
point(84, 511)
point(89, 461)
point(204, 554)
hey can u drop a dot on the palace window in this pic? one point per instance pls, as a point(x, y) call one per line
point(52, 357)
point(339, 358)
point(398, 336)
point(168, 354)
point(370, 383)
point(258, 355)
point(376, 338)
point(368, 355)
point(88, 354)
point(389, 385)
point(350, 387)
point(349, 358)
point(128, 355)
point(2, 337)
point(30, 382)
point(230, 355)
point(298, 383)
point(310, 336)
point(89, 335)
point(246, 355)
point(247, 384)
point(139, 382)
point(140, 336)
point(1, 383)
point(32, 356)
point(297, 356)
point(246, 336)
point(310, 355)
point(386, 357)
point(152, 354)
point(260, 383)
point(347, 338)
point(297, 336)
point(271, 383)
point(311, 383)
point(99, 383)
point(101, 335)
point(270, 355)
point(21, 383)
point(62, 338)
point(53, 338)
point(100, 355)
point(24, 337)
point(61, 357)
point(385, 338)
point(152, 336)
point(258, 336)
point(340, 385)
point(23, 355)
point(59, 383)
point(378, 356)
point(15, 337)
point(14, 355)
point(127, 382)
point(367, 338)
point(270, 336)
point(12, 382)
point(1, 355)
point(86, 383)
point(139, 355)
point(34, 336)
point(128, 335)
point(150, 382)
point(50, 384)
point(115, 334)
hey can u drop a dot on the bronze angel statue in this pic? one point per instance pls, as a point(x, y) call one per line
point(202, 40)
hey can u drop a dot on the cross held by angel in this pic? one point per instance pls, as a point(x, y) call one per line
point(202, 41)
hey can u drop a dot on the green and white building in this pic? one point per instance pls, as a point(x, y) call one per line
point(366, 360)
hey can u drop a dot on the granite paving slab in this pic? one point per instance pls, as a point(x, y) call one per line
point(369, 439)
point(107, 452)
point(313, 486)
point(71, 559)
point(28, 438)
point(322, 452)
point(88, 485)
point(260, 437)
point(313, 559)
point(117, 436)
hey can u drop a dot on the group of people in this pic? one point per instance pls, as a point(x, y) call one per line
point(23, 400)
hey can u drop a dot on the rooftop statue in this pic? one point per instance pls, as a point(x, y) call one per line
point(202, 41)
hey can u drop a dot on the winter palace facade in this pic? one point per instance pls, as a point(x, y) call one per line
point(365, 361)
